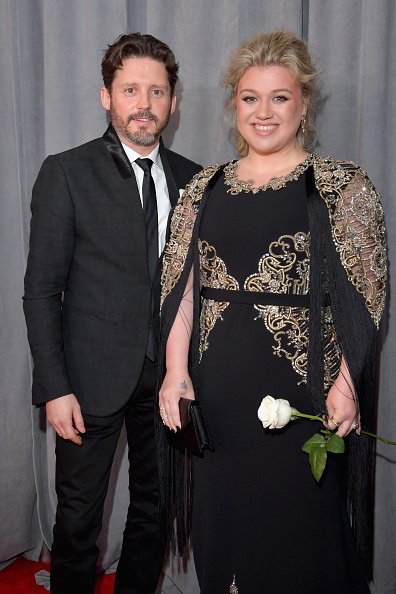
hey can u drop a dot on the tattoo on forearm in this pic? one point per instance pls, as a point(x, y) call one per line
point(183, 385)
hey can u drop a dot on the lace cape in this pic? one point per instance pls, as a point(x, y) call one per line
point(356, 217)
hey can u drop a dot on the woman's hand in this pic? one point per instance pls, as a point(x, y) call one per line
point(342, 413)
point(342, 410)
point(177, 384)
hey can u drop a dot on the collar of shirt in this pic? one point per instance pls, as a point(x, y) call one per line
point(133, 155)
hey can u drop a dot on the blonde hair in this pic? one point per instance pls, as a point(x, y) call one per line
point(280, 48)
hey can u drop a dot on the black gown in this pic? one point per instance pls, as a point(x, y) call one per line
point(258, 513)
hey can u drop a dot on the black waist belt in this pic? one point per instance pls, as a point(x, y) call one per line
point(259, 298)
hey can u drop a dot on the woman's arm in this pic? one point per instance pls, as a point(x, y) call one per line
point(177, 382)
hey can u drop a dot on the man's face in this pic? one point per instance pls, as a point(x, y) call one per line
point(140, 102)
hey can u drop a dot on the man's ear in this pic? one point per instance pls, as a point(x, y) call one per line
point(173, 102)
point(105, 98)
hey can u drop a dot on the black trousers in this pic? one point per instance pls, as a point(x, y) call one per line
point(82, 477)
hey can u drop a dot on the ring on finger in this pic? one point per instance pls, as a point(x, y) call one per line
point(354, 425)
point(334, 420)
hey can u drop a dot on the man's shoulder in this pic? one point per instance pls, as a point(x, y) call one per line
point(90, 148)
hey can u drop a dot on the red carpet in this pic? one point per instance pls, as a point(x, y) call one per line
point(18, 578)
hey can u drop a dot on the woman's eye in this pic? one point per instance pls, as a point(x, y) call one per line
point(281, 98)
point(249, 99)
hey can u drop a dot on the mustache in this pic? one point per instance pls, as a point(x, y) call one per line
point(146, 115)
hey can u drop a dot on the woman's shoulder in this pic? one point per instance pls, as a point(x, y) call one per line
point(334, 174)
point(196, 186)
point(205, 174)
point(336, 167)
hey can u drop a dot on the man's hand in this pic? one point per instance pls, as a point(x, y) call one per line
point(64, 414)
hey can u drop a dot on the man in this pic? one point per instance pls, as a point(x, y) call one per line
point(99, 216)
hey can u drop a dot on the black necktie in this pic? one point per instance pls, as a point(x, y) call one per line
point(150, 215)
point(150, 212)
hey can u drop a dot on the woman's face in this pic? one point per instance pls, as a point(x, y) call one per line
point(269, 106)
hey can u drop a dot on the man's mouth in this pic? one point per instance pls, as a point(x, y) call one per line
point(142, 116)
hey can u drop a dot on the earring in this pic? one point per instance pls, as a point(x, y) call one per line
point(303, 123)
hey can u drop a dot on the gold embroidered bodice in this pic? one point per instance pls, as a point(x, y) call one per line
point(355, 213)
point(283, 269)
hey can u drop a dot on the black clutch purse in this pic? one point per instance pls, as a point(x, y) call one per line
point(194, 433)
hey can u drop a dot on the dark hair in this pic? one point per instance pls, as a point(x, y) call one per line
point(141, 46)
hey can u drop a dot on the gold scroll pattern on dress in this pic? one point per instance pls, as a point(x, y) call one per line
point(181, 229)
point(357, 221)
point(284, 268)
point(213, 274)
point(290, 329)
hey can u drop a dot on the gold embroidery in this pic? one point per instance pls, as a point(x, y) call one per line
point(357, 222)
point(213, 274)
point(276, 183)
point(280, 269)
point(285, 269)
point(290, 329)
point(352, 203)
point(233, 587)
point(181, 228)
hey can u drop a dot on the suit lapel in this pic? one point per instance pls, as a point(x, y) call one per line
point(118, 154)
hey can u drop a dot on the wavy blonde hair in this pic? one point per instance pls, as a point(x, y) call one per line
point(280, 48)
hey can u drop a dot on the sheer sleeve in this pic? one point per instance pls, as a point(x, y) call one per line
point(181, 228)
point(358, 229)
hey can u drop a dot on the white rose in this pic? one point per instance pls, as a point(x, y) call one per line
point(274, 414)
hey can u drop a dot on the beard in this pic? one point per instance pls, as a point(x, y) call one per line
point(141, 137)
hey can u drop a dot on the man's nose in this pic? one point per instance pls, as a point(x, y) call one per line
point(144, 100)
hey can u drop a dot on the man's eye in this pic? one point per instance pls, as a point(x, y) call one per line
point(129, 91)
point(158, 92)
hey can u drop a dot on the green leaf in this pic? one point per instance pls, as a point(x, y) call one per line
point(317, 460)
point(335, 444)
point(326, 432)
point(315, 441)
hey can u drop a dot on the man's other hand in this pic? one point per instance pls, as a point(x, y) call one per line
point(64, 414)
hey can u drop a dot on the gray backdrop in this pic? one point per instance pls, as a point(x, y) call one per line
point(50, 52)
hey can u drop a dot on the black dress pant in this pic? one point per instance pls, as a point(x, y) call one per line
point(82, 477)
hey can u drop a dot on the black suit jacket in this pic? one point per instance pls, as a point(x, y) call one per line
point(88, 295)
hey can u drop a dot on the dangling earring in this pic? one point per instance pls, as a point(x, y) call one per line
point(303, 123)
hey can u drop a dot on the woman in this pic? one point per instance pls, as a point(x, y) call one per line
point(273, 283)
